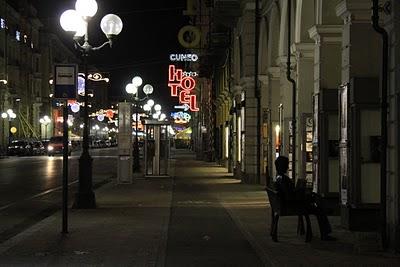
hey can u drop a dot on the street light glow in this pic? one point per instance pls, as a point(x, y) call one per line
point(86, 8)
point(130, 88)
point(69, 20)
point(111, 25)
point(150, 102)
point(137, 81)
point(148, 89)
point(157, 107)
point(146, 107)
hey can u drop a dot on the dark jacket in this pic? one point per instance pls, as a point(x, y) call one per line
point(285, 186)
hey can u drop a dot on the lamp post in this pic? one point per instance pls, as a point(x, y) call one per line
point(10, 115)
point(76, 21)
point(133, 88)
point(45, 120)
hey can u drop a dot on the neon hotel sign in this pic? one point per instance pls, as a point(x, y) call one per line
point(182, 86)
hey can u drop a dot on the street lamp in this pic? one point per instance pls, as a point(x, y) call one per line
point(133, 88)
point(10, 115)
point(76, 21)
point(45, 120)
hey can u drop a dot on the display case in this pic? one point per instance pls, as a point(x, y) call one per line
point(307, 151)
point(359, 110)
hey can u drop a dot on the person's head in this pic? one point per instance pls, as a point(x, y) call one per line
point(281, 164)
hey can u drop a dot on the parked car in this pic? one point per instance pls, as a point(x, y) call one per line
point(55, 146)
point(20, 148)
point(38, 148)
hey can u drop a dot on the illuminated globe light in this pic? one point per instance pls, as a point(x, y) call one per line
point(146, 107)
point(13, 130)
point(150, 102)
point(157, 107)
point(75, 107)
point(4, 115)
point(80, 28)
point(111, 25)
point(155, 116)
point(130, 88)
point(86, 8)
point(137, 81)
point(13, 115)
point(162, 117)
point(69, 20)
point(148, 89)
point(100, 117)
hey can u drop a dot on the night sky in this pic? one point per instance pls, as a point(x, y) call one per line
point(149, 35)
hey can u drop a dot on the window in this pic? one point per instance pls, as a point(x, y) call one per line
point(2, 23)
point(18, 35)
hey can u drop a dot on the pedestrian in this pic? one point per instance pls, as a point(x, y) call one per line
point(299, 194)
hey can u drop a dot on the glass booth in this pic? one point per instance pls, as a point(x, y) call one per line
point(157, 148)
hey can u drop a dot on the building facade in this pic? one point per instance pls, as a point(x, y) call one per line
point(28, 52)
point(305, 79)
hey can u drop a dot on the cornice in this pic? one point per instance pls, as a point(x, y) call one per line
point(274, 72)
point(321, 29)
point(303, 50)
point(358, 11)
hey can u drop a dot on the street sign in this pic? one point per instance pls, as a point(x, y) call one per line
point(65, 81)
point(185, 107)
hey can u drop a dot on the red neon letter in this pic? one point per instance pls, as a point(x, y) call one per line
point(188, 83)
point(184, 97)
point(174, 88)
point(193, 103)
point(174, 75)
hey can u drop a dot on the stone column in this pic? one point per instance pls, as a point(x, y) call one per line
point(304, 88)
point(250, 159)
point(327, 65)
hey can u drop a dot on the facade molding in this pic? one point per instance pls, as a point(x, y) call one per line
point(263, 79)
point(354, 11)
point(274, 73)
point(317, 31)
point(303, 50)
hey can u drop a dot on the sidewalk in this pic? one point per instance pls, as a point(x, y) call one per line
point(132, 223)
point(128, 228)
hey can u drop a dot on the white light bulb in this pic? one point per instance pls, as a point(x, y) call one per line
point(86, 8)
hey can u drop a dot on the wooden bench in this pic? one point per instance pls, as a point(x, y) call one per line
point(279, 207)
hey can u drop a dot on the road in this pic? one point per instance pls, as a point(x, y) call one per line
point(30, 187)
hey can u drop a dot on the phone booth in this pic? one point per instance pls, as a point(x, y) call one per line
point(359, 154)
point(157, 145)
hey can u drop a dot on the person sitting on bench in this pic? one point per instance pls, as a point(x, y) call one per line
point(289, 192)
